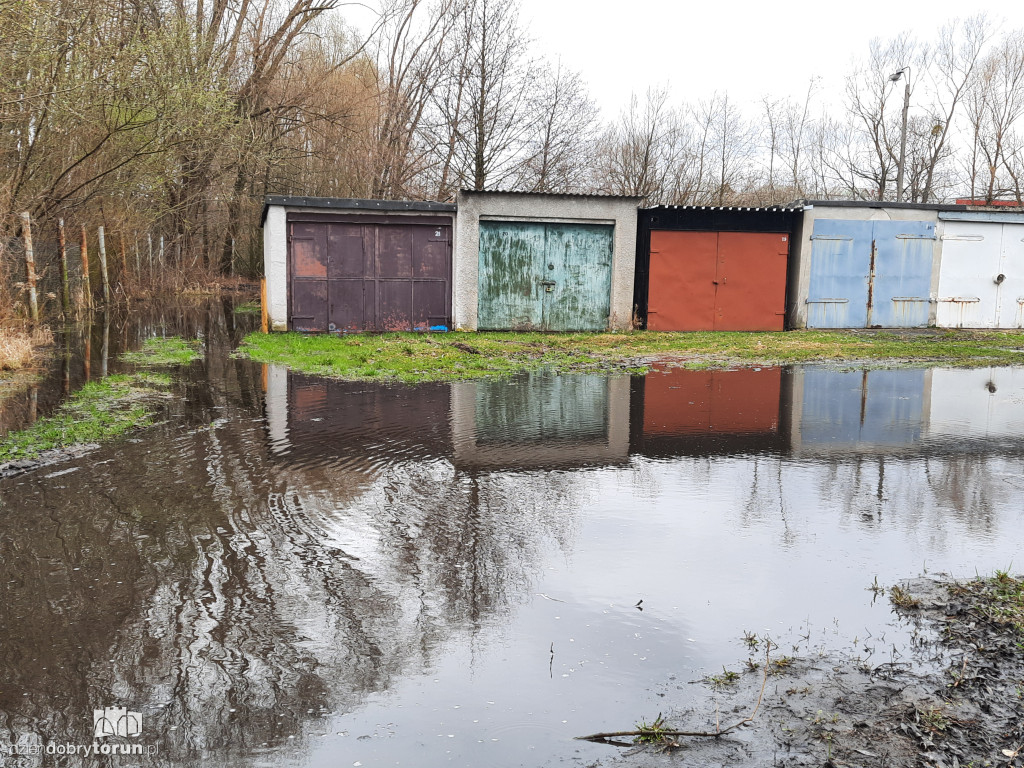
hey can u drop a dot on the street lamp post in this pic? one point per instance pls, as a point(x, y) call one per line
point(894, 77)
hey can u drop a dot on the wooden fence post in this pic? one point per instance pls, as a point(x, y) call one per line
point(86, 288)
point(103, 270)
point(65, 288)
point(264, 317)
point(30, 266)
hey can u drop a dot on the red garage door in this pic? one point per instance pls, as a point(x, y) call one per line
point(354, 276)
point(717, 281)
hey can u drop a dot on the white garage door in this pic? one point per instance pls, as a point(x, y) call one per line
point(981, 276)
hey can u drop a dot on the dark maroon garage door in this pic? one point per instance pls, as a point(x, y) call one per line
point(350, 274)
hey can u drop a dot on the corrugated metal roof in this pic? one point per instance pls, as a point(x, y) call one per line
point(731, 208)
point(546, 194)
point(353, 204)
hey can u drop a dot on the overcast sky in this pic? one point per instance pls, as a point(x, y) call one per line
point(746, 48)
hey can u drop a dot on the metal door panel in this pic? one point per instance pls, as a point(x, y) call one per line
point(579, 261)
point(902, 274)
point(1011, 289)
point(348, 310)
point(750, 290)
point(430, 252)
point(394, 305)
point(346, 248)
point(840, 267)
point(350, 277)
point(309, 250)
point(554, 277)
point(394, 251)
point(683, 272)
point(429, 304)
point(511, 254)
point(309, 305)
point(971, 253)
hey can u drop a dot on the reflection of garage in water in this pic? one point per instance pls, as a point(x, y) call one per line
point(864, 410)
point(541, 419)
point(680, 411)
point(357, 265)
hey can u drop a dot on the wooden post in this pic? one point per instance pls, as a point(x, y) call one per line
point(65, 288)
point(86, 288)
point(264, 319)
point(103, 270)
point(30, 266)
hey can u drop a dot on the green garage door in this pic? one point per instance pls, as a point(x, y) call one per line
point(549, 277)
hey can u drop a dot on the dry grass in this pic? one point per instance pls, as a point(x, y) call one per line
point(20, 347)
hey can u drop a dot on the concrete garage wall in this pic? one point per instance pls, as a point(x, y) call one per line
point(275, 266)
point(621, 212)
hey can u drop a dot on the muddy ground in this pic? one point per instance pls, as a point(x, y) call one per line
point(956, 698)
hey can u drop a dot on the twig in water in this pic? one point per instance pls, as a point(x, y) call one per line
point(606, 737)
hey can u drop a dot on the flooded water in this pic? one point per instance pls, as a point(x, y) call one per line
point(293, 571)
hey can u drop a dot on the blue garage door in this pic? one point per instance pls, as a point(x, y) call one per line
point(870, 273)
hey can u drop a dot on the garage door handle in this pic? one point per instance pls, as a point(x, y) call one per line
point(547, 282)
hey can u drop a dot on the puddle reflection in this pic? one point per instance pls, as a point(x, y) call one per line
point(298, 571)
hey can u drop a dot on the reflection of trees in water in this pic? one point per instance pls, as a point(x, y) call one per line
point(212, 580)
point(930, 493)
point(938, 496)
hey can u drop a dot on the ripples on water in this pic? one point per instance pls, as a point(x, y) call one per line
point(296, 571)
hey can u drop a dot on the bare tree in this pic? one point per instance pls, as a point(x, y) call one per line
point(875, 155)
point(562, 143)
point(482, 103)
point(955, 59)
point(640, 149)
point(995, 104)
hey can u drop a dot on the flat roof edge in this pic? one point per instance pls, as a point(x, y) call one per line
point(353, 204)
point(888, 204)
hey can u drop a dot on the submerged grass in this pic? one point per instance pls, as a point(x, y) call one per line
point(248, 308)
point(164, 350)
point(98, 411)
point(415, 357)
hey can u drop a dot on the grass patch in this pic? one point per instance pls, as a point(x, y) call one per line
point(997, 600)
point(901, 598)
point(98, 411)
point(164, 350)
point(415, 357)
point(652, 733)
